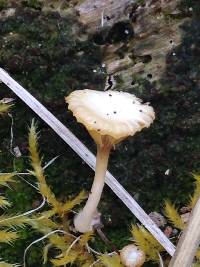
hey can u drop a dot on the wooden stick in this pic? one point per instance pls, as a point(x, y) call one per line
point(88, 157)
point(189, 241)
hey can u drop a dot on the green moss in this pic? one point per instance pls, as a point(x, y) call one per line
point(191, 7)
point(34, 256)
point(141, 2)
point(140, 86)
point(36, 4)
point(42, 50)
point(119, 80)
point(3, 4)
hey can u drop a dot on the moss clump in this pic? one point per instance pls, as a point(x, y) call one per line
point(190, 7)
point(36, 4)
point(42, 49)
point(3, 4)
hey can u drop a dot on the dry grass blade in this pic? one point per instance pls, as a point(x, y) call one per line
point(45, 253)
point(161, 263)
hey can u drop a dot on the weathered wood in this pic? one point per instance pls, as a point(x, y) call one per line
point(155, 46)
point(98, 13)
point(88, 157)
point(144, 54)
point(189, 241)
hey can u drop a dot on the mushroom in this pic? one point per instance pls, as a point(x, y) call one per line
point(132, 256)
point(110, 117)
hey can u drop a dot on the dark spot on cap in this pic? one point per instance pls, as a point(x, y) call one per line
point(114, 112)
point(99, 130)
point(107, 114)
point(110, 95)
point(95, 122)
point(140, 110)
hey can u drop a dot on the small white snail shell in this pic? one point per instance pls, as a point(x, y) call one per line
point(132, 256)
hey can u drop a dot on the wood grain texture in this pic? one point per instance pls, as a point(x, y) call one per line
point(98, 13)
point(189, 241)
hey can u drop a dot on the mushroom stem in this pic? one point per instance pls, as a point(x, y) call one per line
point(85, 219)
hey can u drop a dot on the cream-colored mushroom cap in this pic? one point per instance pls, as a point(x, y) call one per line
point(132, 256)
point(110, 113)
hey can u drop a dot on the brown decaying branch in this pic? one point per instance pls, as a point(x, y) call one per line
point(189, 241)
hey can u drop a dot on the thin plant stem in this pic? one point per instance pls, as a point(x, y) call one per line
point(92, 250)
point(42, 238)
point(26, 213)
point(72, 244)
point(105, 239)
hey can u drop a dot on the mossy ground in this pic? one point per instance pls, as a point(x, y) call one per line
point(50, 57)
